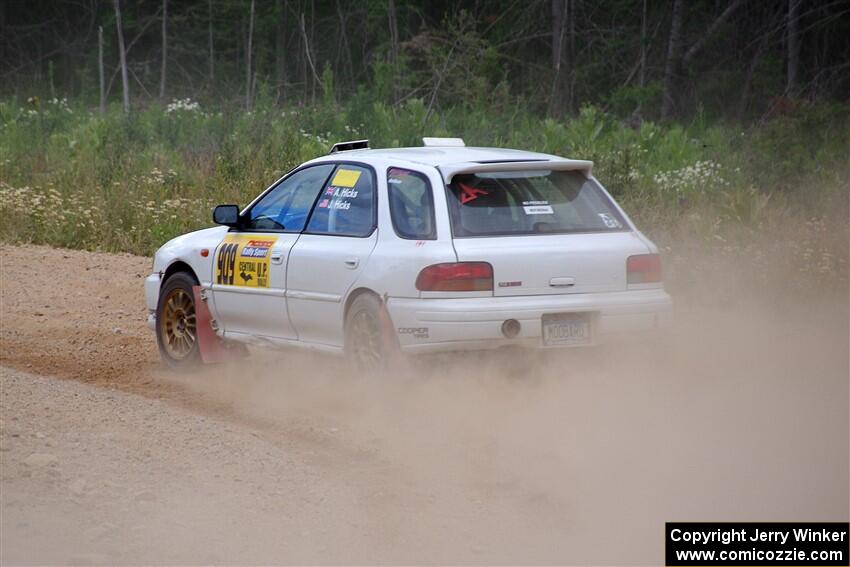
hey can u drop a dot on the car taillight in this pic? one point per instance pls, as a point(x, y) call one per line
point(457, 276)
point(643, 268)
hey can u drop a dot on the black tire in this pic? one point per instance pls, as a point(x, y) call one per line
point(367, 345)
point(176, 322)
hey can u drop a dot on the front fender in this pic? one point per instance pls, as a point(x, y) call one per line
point(189, 248)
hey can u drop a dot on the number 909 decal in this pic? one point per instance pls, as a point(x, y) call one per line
point(243, 260)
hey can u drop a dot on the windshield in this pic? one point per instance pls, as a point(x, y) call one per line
point(529, 202)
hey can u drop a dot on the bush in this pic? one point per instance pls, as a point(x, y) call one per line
point(71, 177)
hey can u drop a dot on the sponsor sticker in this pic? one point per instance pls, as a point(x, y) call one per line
point(610, 221)
point(256, 249)
point(469, 193)
point(538, 209)
point(416, 332)
point(396, 175)
point(243, 260)
point(346, 178)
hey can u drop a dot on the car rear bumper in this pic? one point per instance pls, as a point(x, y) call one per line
point(435, 325)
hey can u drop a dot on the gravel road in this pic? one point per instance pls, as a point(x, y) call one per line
point(741, 413)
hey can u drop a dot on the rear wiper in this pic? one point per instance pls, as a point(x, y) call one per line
point(545, 227)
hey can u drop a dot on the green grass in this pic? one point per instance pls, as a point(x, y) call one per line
point(73, 178)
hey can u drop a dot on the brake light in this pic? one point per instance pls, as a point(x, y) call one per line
point(456, 276)
point(643, 268)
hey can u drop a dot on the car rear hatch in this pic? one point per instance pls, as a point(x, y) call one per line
point(554, 264)
point(546, 228)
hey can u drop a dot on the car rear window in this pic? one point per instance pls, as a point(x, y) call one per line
point(529, 202)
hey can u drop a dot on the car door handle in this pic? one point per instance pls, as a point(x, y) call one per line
point(562, 282)
point(277, 257)
point(352, 263)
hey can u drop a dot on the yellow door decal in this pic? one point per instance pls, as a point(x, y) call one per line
point(346, 178)
point(243, 260)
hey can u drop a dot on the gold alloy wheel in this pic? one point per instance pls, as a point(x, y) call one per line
point(366, 340)
point(178, 326)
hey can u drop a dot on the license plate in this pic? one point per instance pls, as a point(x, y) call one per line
point(568, 329)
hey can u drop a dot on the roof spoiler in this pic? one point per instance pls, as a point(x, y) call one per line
point(348, 146)
point(444, 142)
point(453, 169)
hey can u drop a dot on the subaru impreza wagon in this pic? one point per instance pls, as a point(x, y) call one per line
point(375, 252)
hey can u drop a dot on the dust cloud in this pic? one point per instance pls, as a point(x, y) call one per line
point(737, 412)
point(578, 456)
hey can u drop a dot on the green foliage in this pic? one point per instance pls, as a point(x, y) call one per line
point(626, 99)
point(72, 177)
point(328, 86)
point(786, 148)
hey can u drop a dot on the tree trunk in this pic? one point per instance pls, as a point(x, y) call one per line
point(125, 82)
point(748, 79)
point(301, 62)
point(642, 75)
point(312, 44)
point(100, 72)
point(280, 50)
point(348, 64)
point(3, 30)
point(343, 59)
point(700, 43)
point(671, 67)
point(248, 53)
point(164, 50)
point(556, 97)
point(392, 20)
point(210, 30)
point(309, 56)
point(570, 9)
point(793, 80)
point(393, 23)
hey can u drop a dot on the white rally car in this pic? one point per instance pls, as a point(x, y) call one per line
point(368, 252)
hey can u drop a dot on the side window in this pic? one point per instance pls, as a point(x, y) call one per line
point(347, 205)
point(287, 205)
point(411, 204)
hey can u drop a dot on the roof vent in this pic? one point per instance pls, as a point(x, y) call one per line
point(444, 142)
point(348, 146)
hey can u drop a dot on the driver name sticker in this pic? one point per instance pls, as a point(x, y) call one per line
point(337, 205)
point(341, 192)
point(346, 178)
point(243, 260)
point(337, 198)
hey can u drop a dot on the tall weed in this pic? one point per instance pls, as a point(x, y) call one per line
point(72, 177)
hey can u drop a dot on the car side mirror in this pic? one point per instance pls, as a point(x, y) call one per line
point(228, 215)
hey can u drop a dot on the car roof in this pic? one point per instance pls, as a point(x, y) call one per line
point(437, 156)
